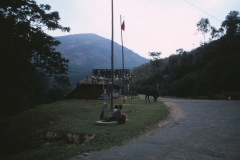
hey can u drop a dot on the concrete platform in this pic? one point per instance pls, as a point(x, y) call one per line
point(103, 123)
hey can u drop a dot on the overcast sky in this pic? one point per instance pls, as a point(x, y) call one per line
point(150, 25)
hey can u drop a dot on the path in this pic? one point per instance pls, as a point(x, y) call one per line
point(196, 129)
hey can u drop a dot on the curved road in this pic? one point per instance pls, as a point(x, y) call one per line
point(195, 129)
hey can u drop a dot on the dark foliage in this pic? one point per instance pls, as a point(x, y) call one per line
point(27, 54)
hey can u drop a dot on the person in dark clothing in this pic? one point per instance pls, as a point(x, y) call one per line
point(119, 116)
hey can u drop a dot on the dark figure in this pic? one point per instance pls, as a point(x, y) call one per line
point(148, 93)
point(120, 106)
point(116, 107)
point(120, 117)
point(124, 116)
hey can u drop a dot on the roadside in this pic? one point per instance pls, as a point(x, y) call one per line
point(194, 129)
point(175, 114)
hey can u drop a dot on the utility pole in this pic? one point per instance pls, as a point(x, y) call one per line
point(87, 89)
point(112, 61)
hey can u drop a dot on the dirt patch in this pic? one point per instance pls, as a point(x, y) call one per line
point(53, 138)
point(176, 113)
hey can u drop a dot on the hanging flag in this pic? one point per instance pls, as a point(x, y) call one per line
point(123, 26)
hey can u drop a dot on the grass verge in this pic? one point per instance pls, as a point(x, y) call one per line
point(67, 128)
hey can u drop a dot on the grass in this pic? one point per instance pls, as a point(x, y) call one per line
point(67, 128)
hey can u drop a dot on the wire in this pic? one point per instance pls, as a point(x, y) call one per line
point(203, 11)
point(238, 1)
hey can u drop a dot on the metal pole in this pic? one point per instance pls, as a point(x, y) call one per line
point(87, 88)
point(112, 62)
point(131, 87)
point(92, 92)
point(122, 62)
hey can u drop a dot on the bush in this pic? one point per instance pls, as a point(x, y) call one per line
point(56, 94)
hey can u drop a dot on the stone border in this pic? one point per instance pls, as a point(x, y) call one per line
point(102, 123)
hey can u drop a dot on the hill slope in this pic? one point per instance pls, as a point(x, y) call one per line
point(212, 73)
point(90, 51)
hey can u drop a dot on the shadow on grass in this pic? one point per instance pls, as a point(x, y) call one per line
point(67, 128)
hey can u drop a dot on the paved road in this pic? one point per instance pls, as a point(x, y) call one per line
point(196, 129)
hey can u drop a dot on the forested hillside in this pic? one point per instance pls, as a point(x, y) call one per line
point(213, 68)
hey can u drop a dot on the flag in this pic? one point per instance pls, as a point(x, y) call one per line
point(123, 26)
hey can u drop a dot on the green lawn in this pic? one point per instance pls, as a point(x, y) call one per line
point(67, 128)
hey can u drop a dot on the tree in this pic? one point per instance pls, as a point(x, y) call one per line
point(61, 82)
point(155, 61)
point(22, 36)
point(232, 23)
point(25, 50)
point(154, 55)
point(216, 33)
point(180, 51)
point(203, 27)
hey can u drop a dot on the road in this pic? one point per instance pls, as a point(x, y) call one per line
point(195, 129)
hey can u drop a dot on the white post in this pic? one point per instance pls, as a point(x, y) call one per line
point(104, 111)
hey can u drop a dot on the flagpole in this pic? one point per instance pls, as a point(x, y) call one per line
point(122, 62)
point(112, 62)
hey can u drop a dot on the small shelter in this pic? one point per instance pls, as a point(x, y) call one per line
point(92, 88)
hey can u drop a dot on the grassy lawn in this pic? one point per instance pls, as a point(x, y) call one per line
point(67, 128)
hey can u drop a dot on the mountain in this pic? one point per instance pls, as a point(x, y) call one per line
point(90, 51)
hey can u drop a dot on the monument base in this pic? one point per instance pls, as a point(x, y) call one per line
point(105, 123)
point(103, 96)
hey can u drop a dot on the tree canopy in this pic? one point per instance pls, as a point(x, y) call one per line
point(232, 23)
point(203, 25)
point(23, 38)
point(26, 51)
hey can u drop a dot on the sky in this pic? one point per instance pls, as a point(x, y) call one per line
point(150, 25)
